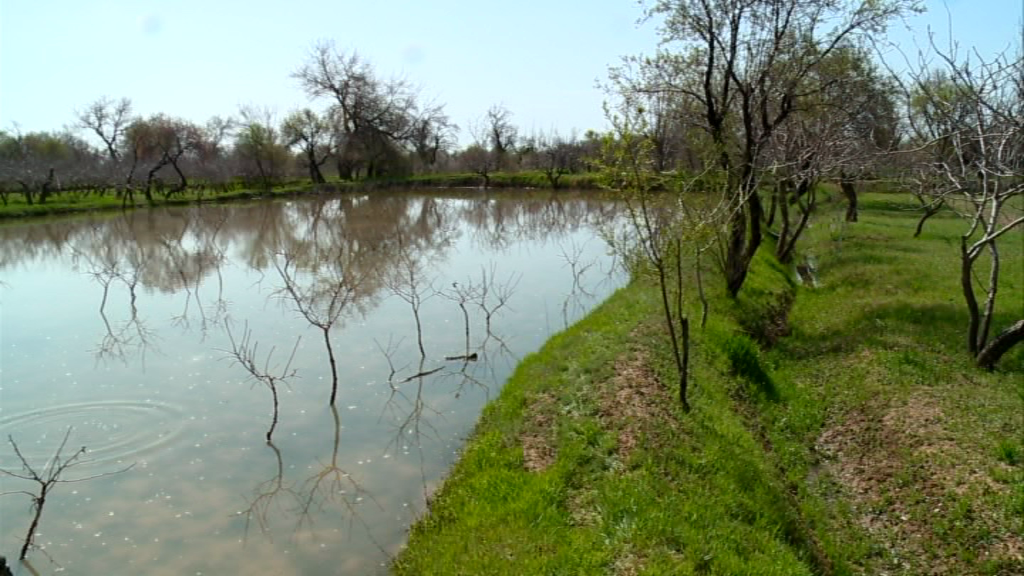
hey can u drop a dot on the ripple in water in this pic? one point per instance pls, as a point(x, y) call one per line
point(110, 431)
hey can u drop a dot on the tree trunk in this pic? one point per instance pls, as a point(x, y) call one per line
point(771, 208)
point(344, 169)
point(786, 246)
point(1000, 345)
point(740, 255)
point(314, 169)
point(182, 181)
point(26, 191)
point(967, 286)
point(735, 267)
point(334, 366)
point(850, 191)
point(782, 191)
point(928, 213)
point(40, 501)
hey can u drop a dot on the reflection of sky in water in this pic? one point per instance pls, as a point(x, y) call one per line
point(194, 426)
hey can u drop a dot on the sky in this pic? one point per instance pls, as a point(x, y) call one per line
point(541, 59)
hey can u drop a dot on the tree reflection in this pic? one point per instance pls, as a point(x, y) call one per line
point(264, 498)
point(121, 340)
point(333, 485)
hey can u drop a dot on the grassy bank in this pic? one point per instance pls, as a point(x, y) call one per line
point(851, 435)
point(86, 201)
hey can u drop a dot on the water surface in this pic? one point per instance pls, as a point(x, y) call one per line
point(120, 327)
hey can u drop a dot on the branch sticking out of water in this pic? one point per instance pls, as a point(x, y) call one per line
point(461, 294)
point(244, 352)
point(47, 478)
point(501, 293)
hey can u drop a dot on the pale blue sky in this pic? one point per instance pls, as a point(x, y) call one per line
point(194, 58)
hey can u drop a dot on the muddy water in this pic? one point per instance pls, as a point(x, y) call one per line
point(121, 328)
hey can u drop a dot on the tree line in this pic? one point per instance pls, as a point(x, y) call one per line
point(358, 124)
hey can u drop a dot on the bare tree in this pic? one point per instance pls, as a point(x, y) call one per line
point(312, 134)
point(321, 303)
point(244, 352)
point(407, 282)
point(742, 68)
point(42, 163)
point(432, 133)
point(332, 484)
point(662, 226)
point(156, 143)
point(374, 117)
point(46, 479)
point(265, 494)
point(557, 156)
point(260, 145)
point(501, 134)
point(969, 121)
point(108, 119)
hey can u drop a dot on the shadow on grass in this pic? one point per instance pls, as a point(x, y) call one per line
point(885, 326)
point(903, 327)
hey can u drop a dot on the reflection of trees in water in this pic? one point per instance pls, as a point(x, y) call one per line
point(332, 485)
point(496, 223)
point(149, 250)
point(121, 340)
point(264, 499)
point(328, 259)
point(408, 408)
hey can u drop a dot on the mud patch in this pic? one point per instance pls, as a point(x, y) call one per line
point(903, 471)
point(628, 565)
point(538, 436)
point(634, 402)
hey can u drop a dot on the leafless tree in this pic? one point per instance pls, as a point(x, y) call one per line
point(311, 132)
point(557, 156)
point(741, 69)
point(501, 133)
point(661, 227)
point(374, 117)
point(969, 121)
point(46, 479)
point(321, 303)
point(463, 294)
point(107, 268)
point(259, 144)
point(108, 119)
point(43, 163)
point(493, 296)
point(432, 133)
point(408, 283)
point(479, 160)
point(172, 140)
point(245, 353)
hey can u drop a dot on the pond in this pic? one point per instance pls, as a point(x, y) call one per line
point(152, 338)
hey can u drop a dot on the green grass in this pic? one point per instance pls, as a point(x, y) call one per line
point(852, 435)
point(72, 202)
